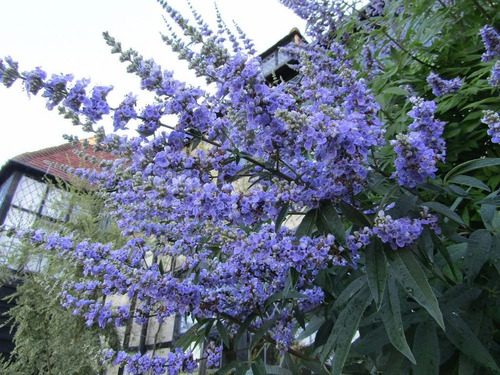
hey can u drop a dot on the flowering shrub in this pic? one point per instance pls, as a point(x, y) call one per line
point(325, 206)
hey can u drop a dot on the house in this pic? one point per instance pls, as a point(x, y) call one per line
point(276, 64)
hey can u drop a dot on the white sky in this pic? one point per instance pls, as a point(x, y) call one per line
point(64, 36)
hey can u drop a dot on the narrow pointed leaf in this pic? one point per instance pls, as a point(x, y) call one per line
point(349, 292)
point(281, 216)
point(426, 349)
point(460, 334)
point(277, 370)
point(393, 323)
point(443, 250)
point(470, 181)
point(323, 333)
point(376, 270)
point(442, 209)
point(223, 334)
point(488, 212)
point(227, 368)
point(258, 367)
point(478, 252)
point(344, 330)
point(312, 326)
point(307, 224)
point(412, 277)
point(471, 165)
point(262, 331)
point(465, 365)
point(330, 220)
point(354, 215)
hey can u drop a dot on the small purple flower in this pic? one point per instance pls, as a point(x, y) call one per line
point(125, 112)
point(492, 119)
point(213, 354)
point(9, 74)
point(491, 40)
point(495, 75)
point(96, 106)
point(33, 81)
point(441, 86)
point(55, 89)
point(396, 232)
point(420, 149)
point(77, 95)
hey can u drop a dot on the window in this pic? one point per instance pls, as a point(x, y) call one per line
point(24, 201)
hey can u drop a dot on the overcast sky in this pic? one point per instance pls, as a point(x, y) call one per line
point(64, 36)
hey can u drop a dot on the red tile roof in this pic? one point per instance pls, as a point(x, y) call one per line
point(55, 160)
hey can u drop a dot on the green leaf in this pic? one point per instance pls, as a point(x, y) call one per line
point(395, 91)
point(243, 328)
point(349, 292)
point(354, 215)
point(391, 317)
point(188, 337)
point(277, 370)
point(478, 252)
point(426, 349)
point(314, 324)
point(443, 250)
point(281, 216)
point(307, 224)
point(376, 270)
point(323, 333)
point(223, 334)
point(442, 209)
point(412, 277)
point(344, 331)
point(488, 213)
point(329, 219)
point(300, 317)
point(404, 204)
point(471, 165)
point(460, 334)
point(465, 365)
point(228, 367)
point(469, 181)
point(262, 331)
point(242, 369)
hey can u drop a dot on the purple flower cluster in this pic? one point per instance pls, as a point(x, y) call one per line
point(398, 233)
point(77, 95)
point(176, 362)
point(96, 106)
point(441, 86)
point(125, 112)
point(9, 74)
point(213, 355)
point(495, 75)
point(55, 89)
point(492, 119)
point(419, 150)
point(491, 40)
point(33, 81)
point(151, 116)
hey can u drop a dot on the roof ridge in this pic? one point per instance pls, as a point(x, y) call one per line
point(44, 152)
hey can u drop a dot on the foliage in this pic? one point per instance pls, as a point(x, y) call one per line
point(48, 338)
point(381, 149)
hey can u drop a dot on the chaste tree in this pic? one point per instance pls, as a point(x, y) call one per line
point(348, 218)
